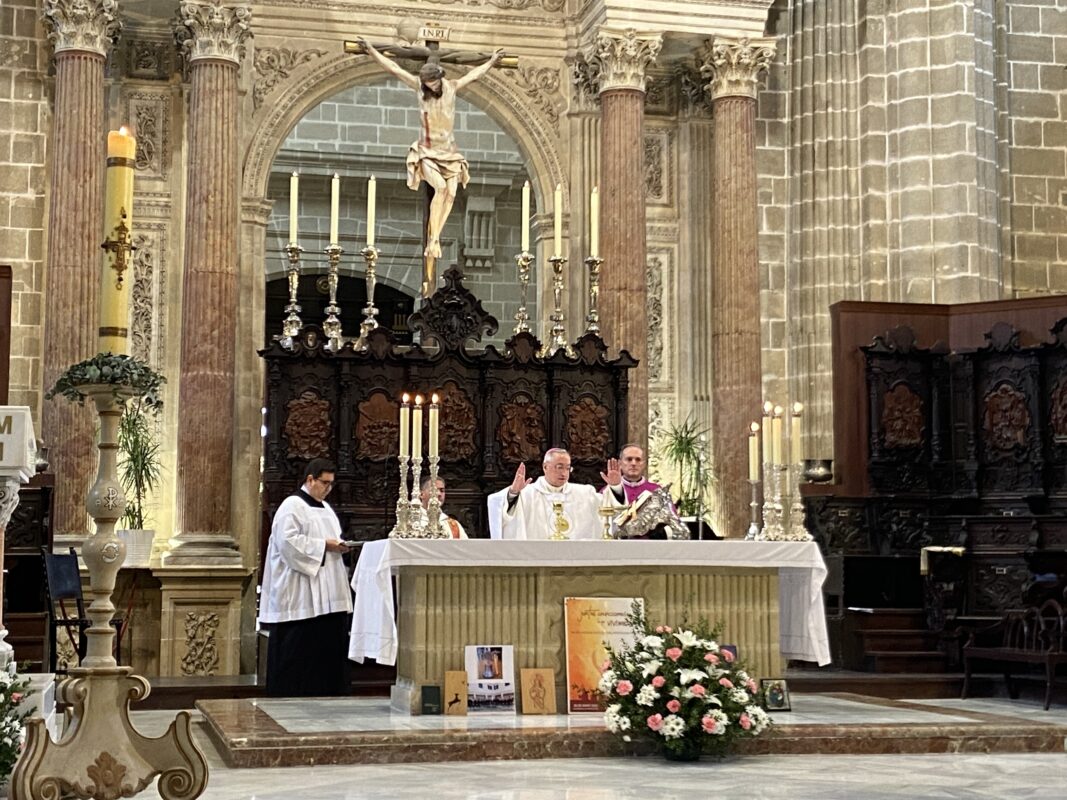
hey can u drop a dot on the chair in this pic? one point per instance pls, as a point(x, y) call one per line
point(63, 582)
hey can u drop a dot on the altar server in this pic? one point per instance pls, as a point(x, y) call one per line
point(305, 597)
point(524, 510)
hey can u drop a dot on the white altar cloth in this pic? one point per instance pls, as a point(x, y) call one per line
point(801, 571)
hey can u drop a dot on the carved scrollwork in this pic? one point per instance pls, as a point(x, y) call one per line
point(1000, 587)
point(453, 316)
point(1005, 418)
point(458, 426)
point(540, 84)
point(307, 426)
point(377, 428)
point(902, 418)
point(275, 64)
point(521, 432)
point(586, 432)
point(212, 29)
point(90, 25)
point(733, 67)
point(1057, 412)
point(142, 307)
point(201, 645)
point(654, 168)
point(108, 776)
point(625, 58)
point(654, 359)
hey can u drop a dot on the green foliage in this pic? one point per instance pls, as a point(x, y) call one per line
point(12, 693)
point(118, 371)
point(685, 448)
point(139, 462)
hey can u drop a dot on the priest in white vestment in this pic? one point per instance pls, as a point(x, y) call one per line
point(525, 510)
point(305, 597)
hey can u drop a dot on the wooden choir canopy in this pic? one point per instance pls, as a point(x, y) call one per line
point(498, 409)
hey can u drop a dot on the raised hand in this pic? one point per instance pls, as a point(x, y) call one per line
point(497, 55)
point(521, 481)
point(613, 476)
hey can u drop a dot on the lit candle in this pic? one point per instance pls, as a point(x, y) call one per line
point(434, 420)
point(594, 223)
point(526, 217)
point(372, 193)
point(118, 229)
point(405, 425)
point(335, 203)
point(416, 430)
point(557, 221)
point(776, 435)
point(294, 194)
point(753, 452)
point(794, 433)
point(768, 410)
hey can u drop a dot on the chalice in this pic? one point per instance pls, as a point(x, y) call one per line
point(560, 525)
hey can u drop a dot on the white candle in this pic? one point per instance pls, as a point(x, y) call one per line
point(335, 203)
point(372, 191)
point(405, 425)
point(776, 435)
point(594, 223)
point(294, 193)
point(753, 453)
point(435, 410)
point(526, 217)
point(768, 409)
point(794, 433)
point(557, 221)
point(416, 430)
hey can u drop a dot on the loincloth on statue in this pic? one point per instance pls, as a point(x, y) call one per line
point(449, 164)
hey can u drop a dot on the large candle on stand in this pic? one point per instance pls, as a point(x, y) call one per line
point(372, 196)
point(416, 430)
point(435, 410)
point(753, 453)
point(768, 410)
point(794, 433)
point(335, 202)
point(405, 425)
point(776, 435)
point(557, 221)
point(526, 217)
point(594, 223)
point(294, 207)
point(117, 269)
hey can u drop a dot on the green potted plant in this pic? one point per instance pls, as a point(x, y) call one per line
point(685, 449)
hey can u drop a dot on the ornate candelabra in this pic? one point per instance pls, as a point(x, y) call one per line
point(401, 529)
point(772, 504)
point(522, 317)
point(559, 332)
point(370, 312)
point(560, 526)
point(798, 532)
point(417, 518)
point(593, 317)
point(332, 326)
point(753, 526)
point(433, 507)
point(292, 324)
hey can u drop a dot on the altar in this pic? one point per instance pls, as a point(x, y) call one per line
point(766, 595)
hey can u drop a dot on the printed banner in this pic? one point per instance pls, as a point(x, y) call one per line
point(592, 622)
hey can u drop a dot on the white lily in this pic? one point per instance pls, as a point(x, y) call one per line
point(687, 676)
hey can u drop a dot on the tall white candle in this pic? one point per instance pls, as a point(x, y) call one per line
point(435, 411)
point(753, 452)
point(768, 409)
point(776, 431)
point(526, 217)
point(294, 193)
point(416, 430)
point(405, 425)
point(335, 204)
point(557, 221)
point(372, 192)
point(594, 223)
point(794, 433)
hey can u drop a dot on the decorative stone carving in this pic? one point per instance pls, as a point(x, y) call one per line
point(732, 67)
point(654, 158)
point(541, 84)
point(695, 100)
point(378, 428)
point(624, 58)
point(107, 777)
point(89, 25)
point(510, 5)
point(586, 432)
point(585, 78)
point(148, 59)
point(201, 648)
point(902, 418)
point(458, 426)
point(307, 427)
point(655, 268)
point(142, 309)
point(1005, 419)
point(209, 29)
point(150, 113)
point(274, 64)
point(660, 94)
point(521, 432)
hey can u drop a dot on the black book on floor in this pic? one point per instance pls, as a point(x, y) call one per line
point(431, 699)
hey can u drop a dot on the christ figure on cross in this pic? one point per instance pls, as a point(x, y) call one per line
point(434, 157)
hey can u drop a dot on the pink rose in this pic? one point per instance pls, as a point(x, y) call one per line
point(666, 628)
point(726, 682)
point(745, 721)
point(711, 658)
point(751, 685)
point(674, 706)
point(16, 697)
point(674, 653)
point(660, 629)
point(698, 690)
point(624, 688)
point(658, 681)
point(728, 656)
point(655, 722)
point(709, 724)
point(607, 663)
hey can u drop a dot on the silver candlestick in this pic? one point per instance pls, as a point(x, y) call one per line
point(370, 312)
point(753, 526)
point(798, 531)
point(417, 519)
point(332, 326)
point(593, 317)
point(522, 317)
point(433, 507)
point(559, 332)
point(292, 324)
point(772, 504)
point(400, 530)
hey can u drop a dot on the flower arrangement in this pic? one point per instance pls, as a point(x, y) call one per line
point(680, 689)
point(12, 692)
point(114, 370)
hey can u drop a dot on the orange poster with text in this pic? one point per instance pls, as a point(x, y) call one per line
point(591, 623)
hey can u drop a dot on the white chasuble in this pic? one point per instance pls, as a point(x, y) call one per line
point(533, 517)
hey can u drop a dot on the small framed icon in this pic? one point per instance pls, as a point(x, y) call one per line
point(775, 693)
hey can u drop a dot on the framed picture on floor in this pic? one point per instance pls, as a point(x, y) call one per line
point(590, 624)
point(775, 693)
point(490, 677)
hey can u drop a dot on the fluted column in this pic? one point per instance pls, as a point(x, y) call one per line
point(212, 35)
point(733, 67)
point(623, 59)
point(82, 33)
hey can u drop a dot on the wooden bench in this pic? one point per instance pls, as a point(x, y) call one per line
point(1032, 636)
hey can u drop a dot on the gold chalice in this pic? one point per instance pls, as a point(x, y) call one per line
point(560, 525)
point(607, 515)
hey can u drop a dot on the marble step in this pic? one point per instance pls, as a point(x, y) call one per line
point(876, 639)
point(905, 660)
point(883, 618)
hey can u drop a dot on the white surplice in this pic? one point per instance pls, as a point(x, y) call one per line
point(532, 516)
point(300, 578)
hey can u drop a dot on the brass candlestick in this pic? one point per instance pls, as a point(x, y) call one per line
point(332, 326)
point(559, 332)
point(522, 317)
point(292, 324)
point(798, 531)
point(400, 530)
point(753, 526)
point(593, 317)
point(560, 525)
point(370, 312)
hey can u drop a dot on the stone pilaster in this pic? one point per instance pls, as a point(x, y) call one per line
point(82, 33)
point(623, 59)
point(732, 68)
point(212, 36)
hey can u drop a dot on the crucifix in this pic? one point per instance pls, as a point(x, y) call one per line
point(434, 158)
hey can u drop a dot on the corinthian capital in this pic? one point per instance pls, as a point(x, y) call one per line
point(624, 57)
point(732, 67)
point(89, 25)
point(209, 29)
